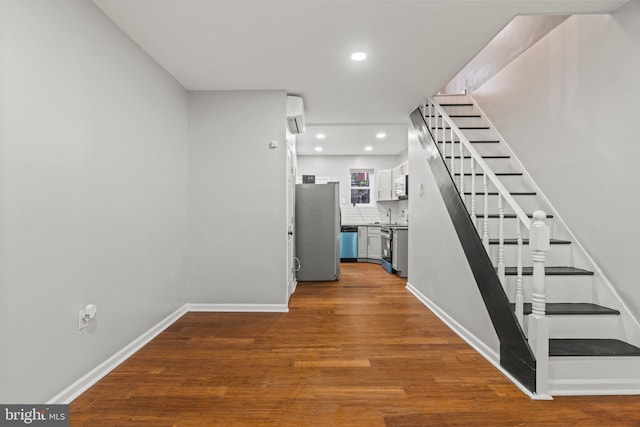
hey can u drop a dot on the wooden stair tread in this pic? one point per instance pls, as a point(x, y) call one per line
point(571, 308)
point(550, 271)
point(465, 104)
point(591, 347)
point(477, 116)
point(526, 242)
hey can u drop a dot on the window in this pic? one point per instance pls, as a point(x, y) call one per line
point(361, 186)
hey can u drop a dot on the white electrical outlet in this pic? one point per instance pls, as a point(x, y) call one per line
point(85, 316)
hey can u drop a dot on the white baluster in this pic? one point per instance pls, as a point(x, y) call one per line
point(429, 105)
point(444, 153)
point(462, 171)
point(473, 192)
point(485, 231)
point(501, 269)
point(519, 294)
point(453, 155)
point(538, 322)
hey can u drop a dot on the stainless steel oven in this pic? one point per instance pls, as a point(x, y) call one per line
point(386, 240)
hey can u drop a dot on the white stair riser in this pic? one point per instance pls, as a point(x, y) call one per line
point(452, 98)
point(511, 183)
point(558, 288)
point(464, 122)
point(483, 148)
point(460, 109)
point(557, 255)
point(496, 165)
point(582, 326)
point(528, 203)
point(509, 227)
point(471, 134)
point(594, 375)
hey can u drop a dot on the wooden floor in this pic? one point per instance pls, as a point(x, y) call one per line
point(358, 352)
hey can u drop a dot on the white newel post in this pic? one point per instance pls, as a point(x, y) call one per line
point(519, 291)
point(538, 322)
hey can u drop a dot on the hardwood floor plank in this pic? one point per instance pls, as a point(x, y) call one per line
point(361, 351)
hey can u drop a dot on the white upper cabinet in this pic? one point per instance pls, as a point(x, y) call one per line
point(384, 184)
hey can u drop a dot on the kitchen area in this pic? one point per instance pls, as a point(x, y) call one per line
point(373, 215)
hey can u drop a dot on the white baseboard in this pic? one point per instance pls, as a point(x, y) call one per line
point(90, 378)
point(70, 393)
point(485, 351)
point(241, 308)
point(594, 387)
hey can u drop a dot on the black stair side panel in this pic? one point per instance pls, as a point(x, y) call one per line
point(515, 354)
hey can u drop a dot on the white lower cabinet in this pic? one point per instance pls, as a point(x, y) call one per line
point(363, 242)
point(374, 246)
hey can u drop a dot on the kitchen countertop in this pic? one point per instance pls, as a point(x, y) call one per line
point(377, 225)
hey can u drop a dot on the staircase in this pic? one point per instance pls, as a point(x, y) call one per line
point(584, 338)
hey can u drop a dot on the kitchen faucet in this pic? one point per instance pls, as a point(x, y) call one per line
point(389, 215)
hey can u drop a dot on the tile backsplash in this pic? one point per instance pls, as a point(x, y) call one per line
point(353, 215)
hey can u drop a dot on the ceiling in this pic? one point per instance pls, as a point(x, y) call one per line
point(304, 46)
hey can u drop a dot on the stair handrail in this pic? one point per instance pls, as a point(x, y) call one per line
point(539, 238)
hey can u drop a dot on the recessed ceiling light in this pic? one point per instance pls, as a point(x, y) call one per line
point(358, 56)
point(368, 148)
point(320, 135)
point(318, 148)
point(381, 135)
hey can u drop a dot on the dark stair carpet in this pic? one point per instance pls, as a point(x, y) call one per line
point(463, 127)
point(484, 157)
point(495, 193)
point(495, 173)
point(550, 271)
point(526, 242)
point(591, 347)
point(507, 216)
point(479, 141)
point(571, 308)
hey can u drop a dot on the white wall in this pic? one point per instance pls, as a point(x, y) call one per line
point(237, 197)
point(404, 156)
point(93, 189)
point(568, 108)
point(438, 267)
point(516, 37)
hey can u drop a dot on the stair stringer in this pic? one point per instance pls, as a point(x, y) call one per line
point(604, 292)
point(516, 356)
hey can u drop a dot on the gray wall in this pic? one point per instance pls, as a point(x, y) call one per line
point(237, 197)
point(438, 267)
point(93, 189)
point(568, 108)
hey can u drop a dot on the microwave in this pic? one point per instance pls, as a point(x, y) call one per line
point(401, 187)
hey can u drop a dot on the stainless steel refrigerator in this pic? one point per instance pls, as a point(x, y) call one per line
point(317, 231)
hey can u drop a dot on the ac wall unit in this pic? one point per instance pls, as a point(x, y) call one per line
point(295, 114)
